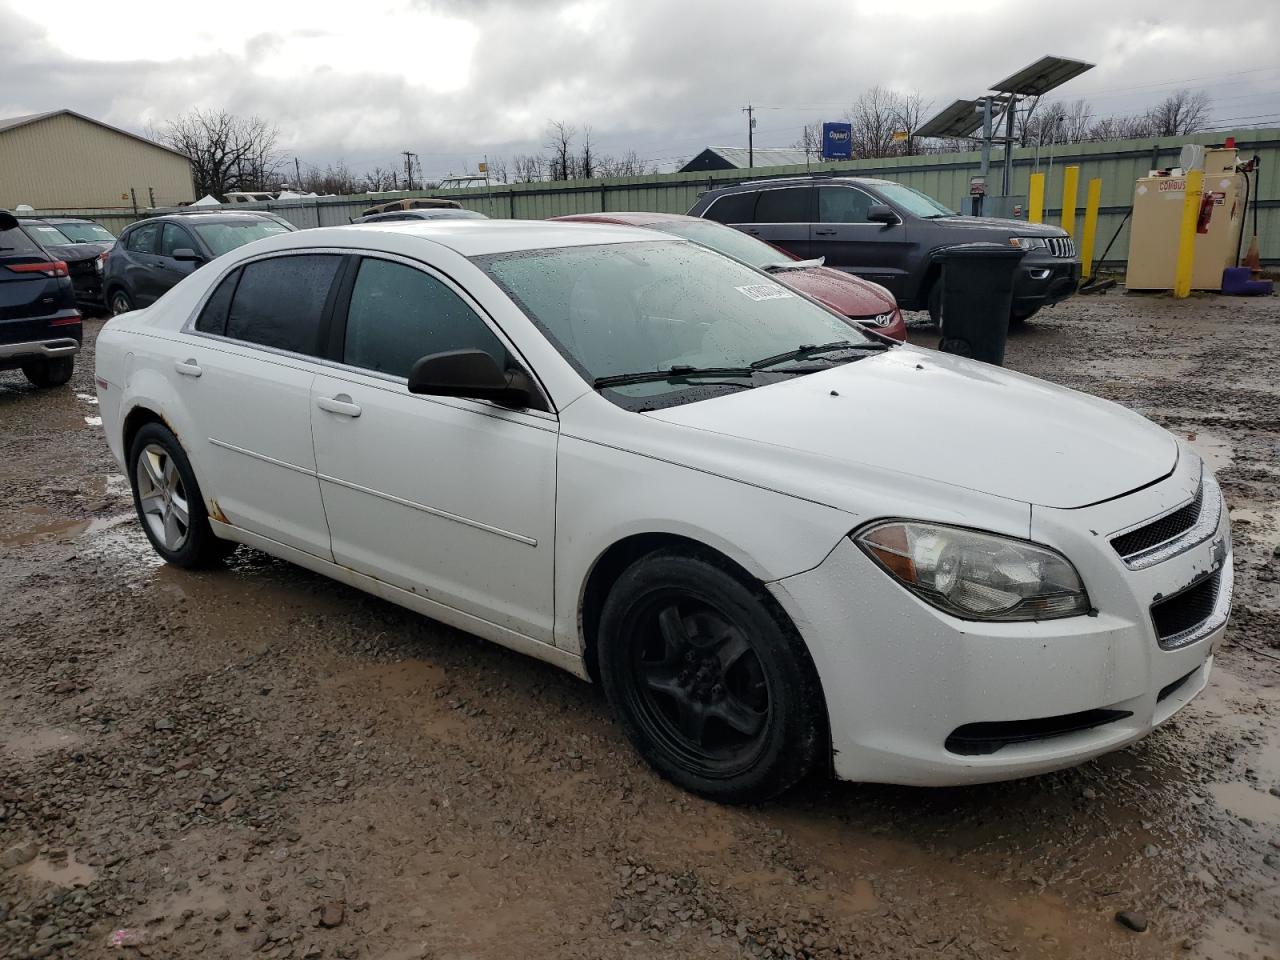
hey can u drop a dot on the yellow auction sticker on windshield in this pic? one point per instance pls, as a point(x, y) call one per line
point(764, 291)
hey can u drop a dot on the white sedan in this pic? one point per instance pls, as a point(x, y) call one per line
point(778, 542)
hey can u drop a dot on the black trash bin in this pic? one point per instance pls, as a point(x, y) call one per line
point(977, 294)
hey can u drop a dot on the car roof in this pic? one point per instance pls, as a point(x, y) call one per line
point(791, 181)
point(638, 218)
point(228, 217)
point(472, 238)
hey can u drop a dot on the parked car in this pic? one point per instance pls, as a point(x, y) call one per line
point(82, 245)
point(890, 233)
point(868, 303)
point(40, 328)
point(439, 213)
point(413, 203)
point(650, 464)
point(154, 255)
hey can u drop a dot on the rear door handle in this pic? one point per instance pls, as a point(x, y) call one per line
point(342, 405)
point(188, 367)
point(824, 233)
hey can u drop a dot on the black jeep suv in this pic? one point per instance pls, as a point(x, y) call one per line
point(889, 233)
point(40, 329)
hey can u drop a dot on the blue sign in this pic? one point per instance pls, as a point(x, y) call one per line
point(837, 141)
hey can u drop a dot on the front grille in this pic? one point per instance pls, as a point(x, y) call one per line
point(82, 268)
point(1159, 531)
point(1062, 247)
point(981, 739)
point(1179, 614)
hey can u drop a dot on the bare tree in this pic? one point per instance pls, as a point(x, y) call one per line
point(379, 179)
point(227, 152)
point(335, 178)
point(872, 117)
point(1134, 127)
point(561, 163)
point(909, 113)
point(627, 165)
point(498, 171)
point(586, 162)
point(1180, 112)
point(528, 168)
point(810, 140)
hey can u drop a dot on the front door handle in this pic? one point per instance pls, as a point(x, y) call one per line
point(824, 233)
point(188, 367)
point(342, 405)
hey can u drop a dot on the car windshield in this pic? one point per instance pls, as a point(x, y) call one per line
point(623, 308)
point(86, 232)
point(913, 201)
point(46, 234)
point(726, 240)
point(224, 237)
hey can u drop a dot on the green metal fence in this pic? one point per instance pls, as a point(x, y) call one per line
point(945, 176)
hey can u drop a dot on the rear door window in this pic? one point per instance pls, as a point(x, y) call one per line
point(213, 318)
point(785, 205)
point(145, 239)
point(280, 302)
point(734, 208)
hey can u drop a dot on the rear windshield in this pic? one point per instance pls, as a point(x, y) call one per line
point(15, 241)
point(86, 232)
point(224, 237)
point(46, 233)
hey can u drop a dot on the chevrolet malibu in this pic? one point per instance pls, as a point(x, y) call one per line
point(653, 466)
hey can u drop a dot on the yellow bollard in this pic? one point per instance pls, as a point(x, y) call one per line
point(1070, 181)
point(1090, 226)
point(1187, 234)
point(1035, 204)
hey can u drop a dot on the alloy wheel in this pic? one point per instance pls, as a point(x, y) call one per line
point(120, 303)
point(162, 498)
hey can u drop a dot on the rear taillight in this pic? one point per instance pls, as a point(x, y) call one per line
point(56, 269)
point(65, 321)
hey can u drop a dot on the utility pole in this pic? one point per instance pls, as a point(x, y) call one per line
point(409, 157)
point(134, 196)
point(297, 175)
point(151, 194)
point(750, 111)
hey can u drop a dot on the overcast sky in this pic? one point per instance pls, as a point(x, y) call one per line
point(454, 80)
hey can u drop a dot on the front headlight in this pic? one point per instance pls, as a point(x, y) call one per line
point(977, 576)
point(1029, 243)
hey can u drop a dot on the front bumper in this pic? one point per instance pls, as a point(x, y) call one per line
point(1043, 281)
point(902, 679)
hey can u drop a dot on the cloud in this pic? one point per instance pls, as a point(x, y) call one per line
point(454, 80)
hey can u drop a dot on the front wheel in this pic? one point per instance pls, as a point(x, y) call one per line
point(711, 684)
point(50, 373)
point(168, 500)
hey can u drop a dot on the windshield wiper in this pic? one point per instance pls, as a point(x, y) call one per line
point(675, 372)
point(806, 350)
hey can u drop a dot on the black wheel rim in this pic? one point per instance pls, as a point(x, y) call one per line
point(696, 684)
point(119, 304)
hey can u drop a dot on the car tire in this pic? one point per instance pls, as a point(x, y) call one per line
point(50, 373)
point(119, 301)
point(709, 680)
point(164, 490)
point(1018, 317)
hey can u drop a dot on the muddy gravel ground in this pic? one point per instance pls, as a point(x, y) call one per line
point(258, 762)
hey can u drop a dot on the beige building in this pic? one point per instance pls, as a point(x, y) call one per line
point(63, 160)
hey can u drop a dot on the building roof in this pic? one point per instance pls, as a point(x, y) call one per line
point(764, 156)
point(11, 123)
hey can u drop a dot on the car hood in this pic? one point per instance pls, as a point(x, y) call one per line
point(842, 292)
point(75, 252)
point(998, 226)
point(942, 419)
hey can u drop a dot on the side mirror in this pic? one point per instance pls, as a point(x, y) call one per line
point(882, 213)
point(470, 373)
point(8, 221)
point(187, 255)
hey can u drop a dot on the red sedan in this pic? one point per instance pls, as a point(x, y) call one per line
point(868, 303)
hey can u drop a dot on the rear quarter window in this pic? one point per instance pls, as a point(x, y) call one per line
point(213, 318)
point(733, 208)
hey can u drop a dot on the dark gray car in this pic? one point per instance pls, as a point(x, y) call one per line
point(889, 233)
point(153, 255)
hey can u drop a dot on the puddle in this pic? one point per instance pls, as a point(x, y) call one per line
point(1258, 524)
point(64, 530)
point(1216, 452)
point(1246, 801)
point(29, 744)
point(63, 873)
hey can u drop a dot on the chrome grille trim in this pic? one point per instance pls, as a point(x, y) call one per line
point(1062, 247)
point(1206, 525)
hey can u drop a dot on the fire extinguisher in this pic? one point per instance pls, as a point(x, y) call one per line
point(1206, 213)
